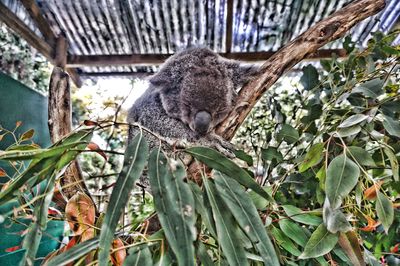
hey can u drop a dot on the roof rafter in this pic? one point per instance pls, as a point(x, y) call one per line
point(75, 61)
point(42, 46)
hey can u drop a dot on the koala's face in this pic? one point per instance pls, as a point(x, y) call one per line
point(197, 86)
point(206, 98)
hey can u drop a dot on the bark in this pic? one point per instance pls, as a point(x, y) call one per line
point(325, 31)
point(60, 124)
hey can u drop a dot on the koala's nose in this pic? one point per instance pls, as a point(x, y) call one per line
point(202, 122)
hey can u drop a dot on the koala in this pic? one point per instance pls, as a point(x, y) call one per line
point(192, 93)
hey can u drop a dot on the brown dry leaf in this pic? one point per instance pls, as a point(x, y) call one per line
point(27, 135)
point(372, 225)
point(80, 212)
point(94, 147)
point(90, 123)
point(370, 193)
point(118, 256)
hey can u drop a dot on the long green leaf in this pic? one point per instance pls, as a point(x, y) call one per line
point(320, 243)
point(59, 155)
point(228, 236)
point(139, 256)
point(75, 252)
point(394, 163)
point(342, 176)
point(293, 231)
point(384, 209)
point(38, 226)
point(134, 162)
point(175, 205)
point(219, 162)
point(313, 157)
point(205, 212)
point(284, 241)
point(245, 213)
point(300, 216)
point(37, 153)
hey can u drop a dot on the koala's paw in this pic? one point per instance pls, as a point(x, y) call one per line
point(221, 145)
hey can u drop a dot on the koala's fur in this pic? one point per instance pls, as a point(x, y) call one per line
point(192, 93)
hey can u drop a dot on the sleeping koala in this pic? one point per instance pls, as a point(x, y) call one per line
point(193, 92)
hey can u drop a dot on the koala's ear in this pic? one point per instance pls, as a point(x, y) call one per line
point(162, 78)
point(241, 73)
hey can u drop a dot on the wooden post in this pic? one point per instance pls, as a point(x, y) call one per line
point(60, 124)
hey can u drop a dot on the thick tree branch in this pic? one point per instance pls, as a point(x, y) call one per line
point(325, 31)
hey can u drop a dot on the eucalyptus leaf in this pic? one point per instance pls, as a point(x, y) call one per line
point(75, 252)
point(300, 216)
point(227, 231)
point(293, 231)
point(394, 163)
point(360, 155)
point(320, 243)
point(392, 126)
point(313, 157)
point(139, 256)
point(134, 162)
point(371, 88)
point(245, 213)
point(175, 205)
point(353, 120)
point(342, 176)
point(288, 134)
point(310, 77)
point(219, 162)
point(284, 241)
point(384, 209)
point(349, 131)
point(270, 154)
point(334, 219)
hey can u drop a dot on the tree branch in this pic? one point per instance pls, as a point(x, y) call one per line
point(325, 31)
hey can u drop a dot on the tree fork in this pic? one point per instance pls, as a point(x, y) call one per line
point(325, 31)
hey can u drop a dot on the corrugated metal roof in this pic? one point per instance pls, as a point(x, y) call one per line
point(161, 26)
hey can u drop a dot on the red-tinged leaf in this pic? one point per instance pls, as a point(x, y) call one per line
point(395, 249)
point(94, 147)
point(27, 135)
point(11, 249)
point(80, 212)
point(53, 211)
point(18, 124)
point(90, 123)
point(2, 136)
point(118, 257)
point(71, 243)
point(372, 225)
point(370, 193)
point(2, 172)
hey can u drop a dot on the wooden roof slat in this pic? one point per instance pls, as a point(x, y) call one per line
point(156, 59)
point(229, 26)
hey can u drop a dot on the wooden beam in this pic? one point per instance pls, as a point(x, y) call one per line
point(48, 51)
point(139, 75)
point(17, 25)
point(42, 24)
point(157, 59)
point(229, 26)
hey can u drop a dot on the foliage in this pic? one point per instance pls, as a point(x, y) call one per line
point(325, 188)
point(21, 62)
